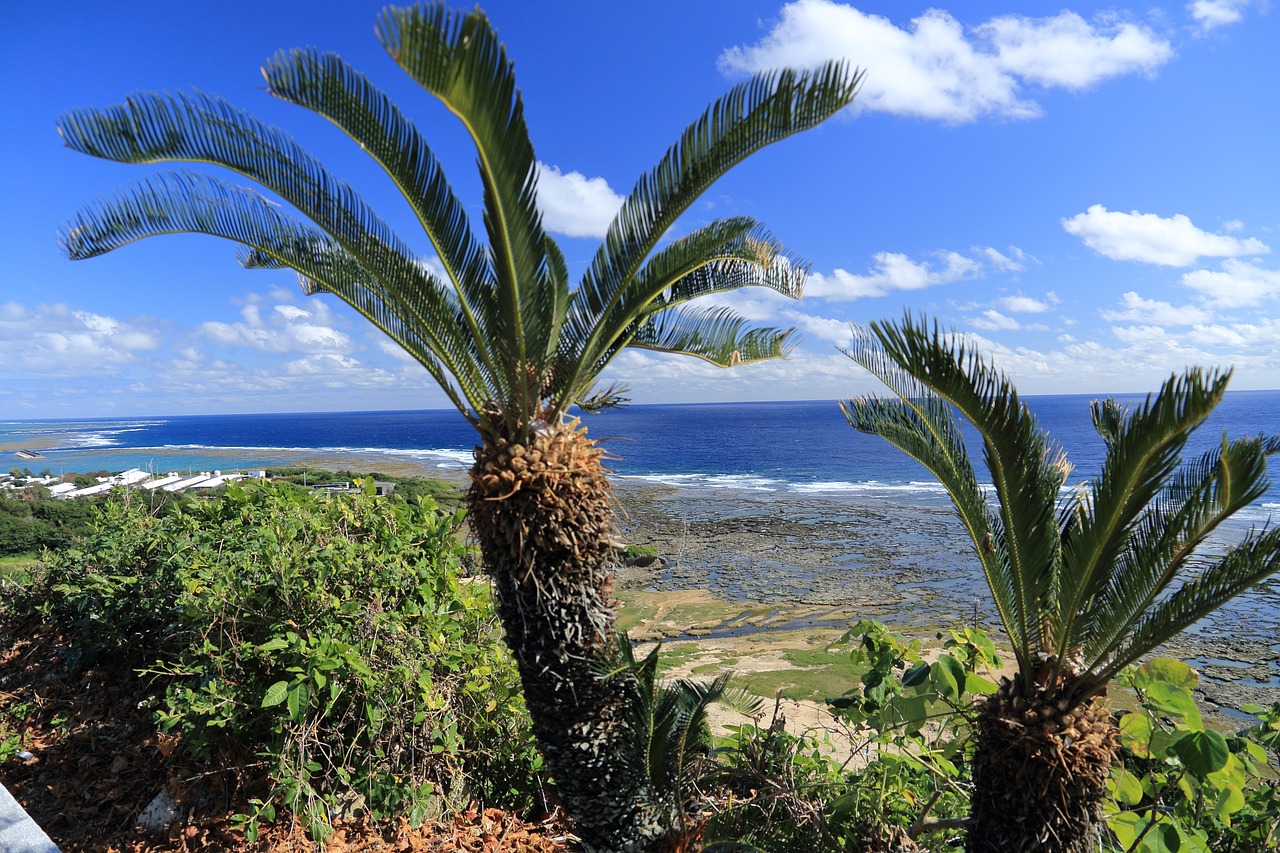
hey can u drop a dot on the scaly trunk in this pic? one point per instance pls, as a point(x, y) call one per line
point(542, 514)
point(1040, 773)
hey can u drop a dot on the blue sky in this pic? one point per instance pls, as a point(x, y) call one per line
point(1089, 193)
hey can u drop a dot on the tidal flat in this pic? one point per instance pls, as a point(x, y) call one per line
point(763, 574)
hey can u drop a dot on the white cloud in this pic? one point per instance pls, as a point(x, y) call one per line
point(995, 321)
point(575, 205)
point(1211, 14)
point(1015, 261)
point(1152, 239)
point(1144, 336)
point(1238, 284)
point(54, 340)
point(287, 328)
point(833, 331)
point(1068, 52)
point(1135, 309)
point(1026, 305)
point(653, 377)
point(1262, 333)
point(893, 271)
point(935, 70)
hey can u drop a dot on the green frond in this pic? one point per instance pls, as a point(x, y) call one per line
point(752, 115)
point(922, 425)
point(458, 58)
point(717, 335)
point(329, 86)
point(1108, 419)
point(606, 398)
point(185, 202)
point(1026, 469)
point(1143, 451)
point(1243, 566)
point(1164, 545)
point(199, 128)
point(726, 255)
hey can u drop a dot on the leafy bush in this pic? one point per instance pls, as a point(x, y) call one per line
point(31, 520)
point(1184, 786)
point(329, 635)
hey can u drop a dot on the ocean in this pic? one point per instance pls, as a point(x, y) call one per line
point(796, 463)
point(789, 448)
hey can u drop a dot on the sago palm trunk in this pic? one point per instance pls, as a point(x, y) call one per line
point(542, 514)
point(1040, 772)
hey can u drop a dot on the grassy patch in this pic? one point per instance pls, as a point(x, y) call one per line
point(17, 567)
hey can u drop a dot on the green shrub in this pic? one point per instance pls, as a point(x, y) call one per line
point(30, 520)
point(328, 634)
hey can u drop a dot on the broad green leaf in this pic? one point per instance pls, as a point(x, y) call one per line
point(1127, 788)
point(1202, 752)
point(916, 675)
point(909, 711)
point(1166, 670)
point(275, 644)
point(1126, 826)
point(943, 679)
point(1175, 701)
point(1135, 734)
point(297, 697)
point(275, 694)
point(1229, 803)
point(974, 683)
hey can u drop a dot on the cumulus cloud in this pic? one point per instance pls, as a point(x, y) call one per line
point(1070, 53)
point(1135, 309)
point(1211, 14)
point(1238, 284)
point(935, 69)
point(893, 271)
point(837, 332)
point(52, 340)
point(287, 328)
point(575, 205)
point(1027, 305)
point(1173, 241)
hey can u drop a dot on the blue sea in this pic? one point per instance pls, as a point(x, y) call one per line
point(794, 461)
point(790, 448)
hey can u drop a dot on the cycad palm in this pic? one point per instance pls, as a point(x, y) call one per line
point(502, 331)
point(1084, 584)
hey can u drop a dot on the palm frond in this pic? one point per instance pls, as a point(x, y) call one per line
point(1025, 468)
point(726, 255)
point(1163, 546)
point(1243, 566)
point(331, 87)
point(923, 426)
point(185, 202)
point(151, 128)
point(717, 335)
point(1143, 452)
point(1108, 419)
point(752, 115)
point(458, 58)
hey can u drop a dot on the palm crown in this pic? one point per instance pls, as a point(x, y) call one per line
point(501, 331)
point(1083, 581)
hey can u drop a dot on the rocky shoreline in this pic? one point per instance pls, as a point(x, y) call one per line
point(780, 564)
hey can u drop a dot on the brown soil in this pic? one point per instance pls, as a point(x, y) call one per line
point(98, 760)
